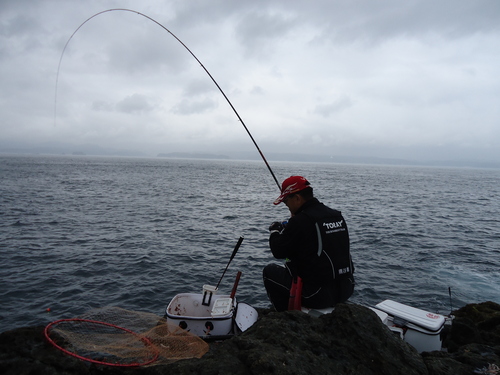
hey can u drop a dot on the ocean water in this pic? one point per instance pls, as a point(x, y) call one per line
point(79, 232)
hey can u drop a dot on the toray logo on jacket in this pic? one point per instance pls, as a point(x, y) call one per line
point(333, 225)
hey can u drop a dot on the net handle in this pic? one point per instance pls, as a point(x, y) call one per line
point(145, 340)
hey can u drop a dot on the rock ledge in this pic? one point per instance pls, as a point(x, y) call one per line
point(351, 340)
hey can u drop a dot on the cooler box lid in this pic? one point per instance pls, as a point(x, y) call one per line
point(382, 315)
point(246, 316)
point(424, 319)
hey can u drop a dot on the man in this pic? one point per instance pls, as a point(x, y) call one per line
point(315, 243)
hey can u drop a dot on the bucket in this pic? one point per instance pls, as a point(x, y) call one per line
point(191, 312)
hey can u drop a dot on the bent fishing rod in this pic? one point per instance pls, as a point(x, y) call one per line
point(192, 54)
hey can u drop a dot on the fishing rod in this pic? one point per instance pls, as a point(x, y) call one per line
point(192, 54)
point(238, 244)
point(209, 290)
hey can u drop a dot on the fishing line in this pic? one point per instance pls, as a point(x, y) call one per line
point(192, 54)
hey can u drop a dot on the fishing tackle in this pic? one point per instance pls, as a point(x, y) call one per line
point(238, 244)
point(209, 290)
point(192, 54)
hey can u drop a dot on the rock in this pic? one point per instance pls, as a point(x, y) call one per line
point(475, 323)
point(351, 340)
point(25, 351)
point(473, 342)
point(440, 363)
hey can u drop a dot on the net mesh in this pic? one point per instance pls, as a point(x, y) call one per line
point(119, 337)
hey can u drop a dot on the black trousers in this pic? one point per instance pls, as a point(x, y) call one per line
point(278, 282)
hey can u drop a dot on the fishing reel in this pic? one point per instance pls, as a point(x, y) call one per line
point(278, 226)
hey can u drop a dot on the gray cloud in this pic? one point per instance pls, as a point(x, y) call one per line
point(188, 107)
point(336, 106)
point(134, 103)
point(360, 76)
point(258, 32)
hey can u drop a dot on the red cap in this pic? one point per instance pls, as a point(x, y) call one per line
point(291, 185)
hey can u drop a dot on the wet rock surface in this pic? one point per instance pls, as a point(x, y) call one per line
point(351, 340)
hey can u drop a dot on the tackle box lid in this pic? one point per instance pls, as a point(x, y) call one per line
point(222, 307)
point(422, 318)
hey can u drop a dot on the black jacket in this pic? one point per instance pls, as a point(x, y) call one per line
point(316, 243)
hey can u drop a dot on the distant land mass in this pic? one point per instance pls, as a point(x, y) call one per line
point(192, 155)
point(370, 160)
point(96, 150)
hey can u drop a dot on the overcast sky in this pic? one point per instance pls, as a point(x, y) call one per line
point(408, 79)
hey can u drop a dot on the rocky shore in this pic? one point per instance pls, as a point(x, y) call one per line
point(351, 340)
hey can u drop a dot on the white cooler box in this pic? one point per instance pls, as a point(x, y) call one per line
point(187, 311)
point(421, 329)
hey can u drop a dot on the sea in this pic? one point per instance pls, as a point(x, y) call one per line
point(83, 232)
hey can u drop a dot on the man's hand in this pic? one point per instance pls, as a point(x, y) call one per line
point(276, 227)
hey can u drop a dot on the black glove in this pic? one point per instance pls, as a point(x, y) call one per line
point(276, 227)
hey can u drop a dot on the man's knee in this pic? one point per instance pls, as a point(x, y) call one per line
point(273, 271)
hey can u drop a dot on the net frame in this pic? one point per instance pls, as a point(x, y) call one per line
point(147, 343)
